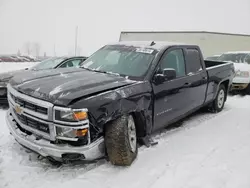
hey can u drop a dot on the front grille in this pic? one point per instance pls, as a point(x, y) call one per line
point(3, 92)
point(29, 105)
point(33, 123)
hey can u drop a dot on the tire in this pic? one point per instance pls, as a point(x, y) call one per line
point(121, 141)
point(218, 103)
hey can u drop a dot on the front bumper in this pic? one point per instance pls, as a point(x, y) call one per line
point(240, 83)
point(94, 150)
point(242, 80)
point(239, 86)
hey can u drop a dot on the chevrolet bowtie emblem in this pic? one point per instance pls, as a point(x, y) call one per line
point(18, 110)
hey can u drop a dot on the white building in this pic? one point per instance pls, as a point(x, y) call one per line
point(211, 43)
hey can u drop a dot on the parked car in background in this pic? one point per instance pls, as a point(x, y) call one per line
point(121, 95)
point(214, 57)
point(16, 58)
point(241, 60)
point(51, 63)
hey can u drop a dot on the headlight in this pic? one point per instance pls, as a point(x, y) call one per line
point(70, 115)
point(73, 134)
point(242, 73)
point(71, 124)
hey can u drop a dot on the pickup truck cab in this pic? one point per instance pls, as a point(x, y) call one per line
point(119, 97)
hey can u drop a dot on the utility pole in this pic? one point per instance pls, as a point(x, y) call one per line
point(76, 39)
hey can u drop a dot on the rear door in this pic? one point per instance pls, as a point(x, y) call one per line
point(196, 77)
point(170, 96)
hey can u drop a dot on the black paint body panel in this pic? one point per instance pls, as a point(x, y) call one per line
point(109, 96)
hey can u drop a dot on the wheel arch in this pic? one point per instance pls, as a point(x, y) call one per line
point(226, 85)
point(139, 119)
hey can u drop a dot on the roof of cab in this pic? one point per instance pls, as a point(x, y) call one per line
point(158, 45)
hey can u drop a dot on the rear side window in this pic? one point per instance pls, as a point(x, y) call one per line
point(193, 61)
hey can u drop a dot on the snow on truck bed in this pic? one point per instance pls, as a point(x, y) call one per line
point(207, 151)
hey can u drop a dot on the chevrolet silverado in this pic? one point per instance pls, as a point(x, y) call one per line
point(121, 94)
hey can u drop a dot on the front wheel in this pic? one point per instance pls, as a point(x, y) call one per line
point(219, 101)
point(121, 141)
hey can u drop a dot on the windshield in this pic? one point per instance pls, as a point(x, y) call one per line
point(121, 59)
point(48, 63)
point(236, 57)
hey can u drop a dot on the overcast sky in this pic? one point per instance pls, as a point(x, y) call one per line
point(50, 22)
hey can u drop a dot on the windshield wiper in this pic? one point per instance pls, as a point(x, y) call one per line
point(94, 70)
point(100, 71)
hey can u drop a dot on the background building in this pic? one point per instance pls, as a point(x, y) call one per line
point(211, 43)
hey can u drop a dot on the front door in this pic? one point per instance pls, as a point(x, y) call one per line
point(170, 96)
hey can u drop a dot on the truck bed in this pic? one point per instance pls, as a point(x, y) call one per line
point(211, 63)
point(217, 72)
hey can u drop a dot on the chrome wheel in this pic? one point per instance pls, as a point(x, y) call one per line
point(132, 134)
point(221, 98)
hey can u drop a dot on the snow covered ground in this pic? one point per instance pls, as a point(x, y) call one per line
point(9, 66)
point(208, 151)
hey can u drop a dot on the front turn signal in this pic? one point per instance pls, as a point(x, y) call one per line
point(81, 115)
point(81, 132)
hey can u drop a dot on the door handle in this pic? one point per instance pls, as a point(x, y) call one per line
point(187, 85)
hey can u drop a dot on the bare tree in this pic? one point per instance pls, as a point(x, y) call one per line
point(37, 48)
point(18, 52)
point(27, 48)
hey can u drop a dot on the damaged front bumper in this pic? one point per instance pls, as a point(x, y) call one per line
point(59, 152)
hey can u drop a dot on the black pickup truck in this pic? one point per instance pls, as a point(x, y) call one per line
point(116, 100)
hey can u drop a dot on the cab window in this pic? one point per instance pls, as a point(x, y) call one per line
point(193, 61)
point(175, 60)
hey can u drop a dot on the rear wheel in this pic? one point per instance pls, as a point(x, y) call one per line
point(219, 101)
point(121, 141)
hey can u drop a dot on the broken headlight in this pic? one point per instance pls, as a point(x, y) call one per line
point(74, 123)
point(71, 134)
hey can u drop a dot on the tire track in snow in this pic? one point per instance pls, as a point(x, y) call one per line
point(190, 122)
point(143, 151)
point(42, 169)
point(31, 163)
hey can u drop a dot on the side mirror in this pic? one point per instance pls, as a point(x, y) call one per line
point(167, 74)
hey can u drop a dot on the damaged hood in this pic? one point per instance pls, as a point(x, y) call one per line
point(61, 86)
